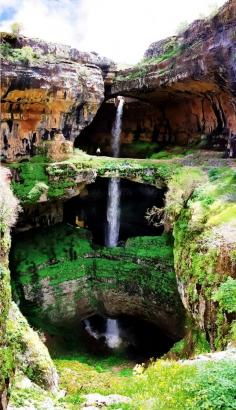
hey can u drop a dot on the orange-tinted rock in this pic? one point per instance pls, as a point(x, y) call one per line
point(189, 82)
point(56, 93)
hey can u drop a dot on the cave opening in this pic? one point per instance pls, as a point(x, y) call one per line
point(88, 210)
point(132, 337)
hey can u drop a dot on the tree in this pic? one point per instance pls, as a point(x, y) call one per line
point(16, 28)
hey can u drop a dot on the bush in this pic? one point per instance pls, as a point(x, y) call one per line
point(226, 295)
point(9, 204)
point(25, 54)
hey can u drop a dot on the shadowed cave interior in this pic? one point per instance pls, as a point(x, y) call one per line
point(135, 338)
point(89, 209)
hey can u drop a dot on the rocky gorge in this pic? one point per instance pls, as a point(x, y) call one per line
point(169, 285)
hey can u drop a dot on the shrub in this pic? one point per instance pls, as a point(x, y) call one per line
point(25, 54)
point(16, 28)
point(226, 295)
point(9, 204)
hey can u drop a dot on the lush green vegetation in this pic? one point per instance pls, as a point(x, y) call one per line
point(139, 149)
point(172, 152)
point(164, 385)
point(141, 69)
point(63, 253)
point(201, 232)
point(34, 180)
point(25, 54)
point(39, 176)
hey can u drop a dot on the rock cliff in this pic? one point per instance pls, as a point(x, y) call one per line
point(187, 84)
point(48, 92)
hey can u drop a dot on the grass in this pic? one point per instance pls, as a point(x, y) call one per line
point(163, 385)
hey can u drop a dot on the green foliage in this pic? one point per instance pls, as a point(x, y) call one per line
point(139, 149)
point(16, 28)
point(171, 153)
point(62, 253)
point(226, 295)
point(163, 385)
point(193, 344)
point(25, 54)
point(199, 233)
point(141, 69)
point(33, 181)
point(181, 187)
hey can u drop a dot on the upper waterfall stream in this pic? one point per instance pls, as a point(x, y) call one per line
point(113, 204)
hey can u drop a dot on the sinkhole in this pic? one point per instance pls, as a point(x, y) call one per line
point(133, 338)
point(89, 209)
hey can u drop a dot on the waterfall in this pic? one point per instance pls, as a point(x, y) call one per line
point(116, 129)
point(90, 331)
point(112, 334)
point(113, 205)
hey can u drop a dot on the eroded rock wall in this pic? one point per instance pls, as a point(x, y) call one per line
point(53, 93)
point(189, 80)
point(178, 119)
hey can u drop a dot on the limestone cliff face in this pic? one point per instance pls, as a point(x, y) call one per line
point(188, 80)
point(49, 91)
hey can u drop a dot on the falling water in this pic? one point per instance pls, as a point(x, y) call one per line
point(113, 339)
point(89, 329)
point(113, 205)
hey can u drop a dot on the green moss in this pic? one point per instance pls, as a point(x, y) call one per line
point(54, 179)
point(33, 181)
point(197, 247)
point(172, 153)
point(6, 363)
point(31, 355)
point(64, 253)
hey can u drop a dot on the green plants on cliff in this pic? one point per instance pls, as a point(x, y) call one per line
point(141, 69)
point(226, 295)
point(203, 232)
point(180, 188)
point(32, 180)
point(37, 177)
point(25, 54)
point(30, 354)
point(63, 253)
